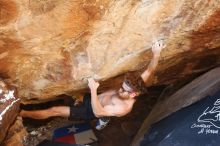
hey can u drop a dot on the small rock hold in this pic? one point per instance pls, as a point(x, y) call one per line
point(34, 133)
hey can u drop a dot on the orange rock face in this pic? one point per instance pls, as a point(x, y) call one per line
point(48, 46)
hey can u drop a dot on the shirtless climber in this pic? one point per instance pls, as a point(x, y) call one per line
point(110, 103)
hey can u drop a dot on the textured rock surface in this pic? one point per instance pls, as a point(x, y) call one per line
point(16, 134)
point(48, 46)
point(9, 108)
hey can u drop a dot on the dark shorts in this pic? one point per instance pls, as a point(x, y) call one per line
point(84, 111)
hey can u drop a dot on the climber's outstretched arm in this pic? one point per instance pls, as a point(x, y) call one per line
point(156, 49)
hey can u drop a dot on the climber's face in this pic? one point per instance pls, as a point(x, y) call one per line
point(126, 91)
point(123, 93)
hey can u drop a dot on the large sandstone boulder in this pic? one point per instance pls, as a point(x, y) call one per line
point(48, 46)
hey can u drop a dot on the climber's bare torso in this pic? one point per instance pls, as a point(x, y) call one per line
point(113, 98)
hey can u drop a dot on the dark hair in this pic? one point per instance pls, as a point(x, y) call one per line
point(135, 81)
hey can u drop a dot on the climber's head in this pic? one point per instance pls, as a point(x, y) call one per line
point(127, 90)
